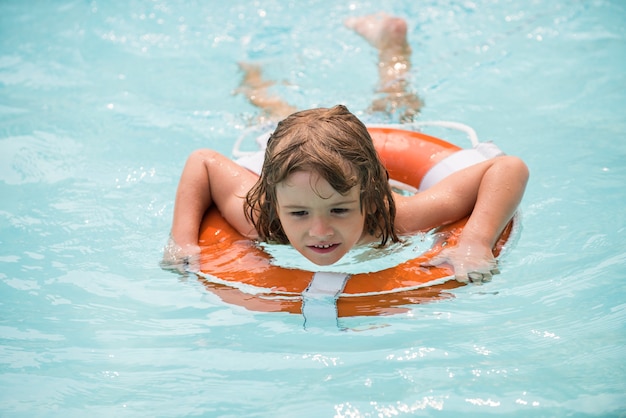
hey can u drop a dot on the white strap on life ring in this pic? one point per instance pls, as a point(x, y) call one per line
point(253, 160)
point(319, 300)
point(482, 151)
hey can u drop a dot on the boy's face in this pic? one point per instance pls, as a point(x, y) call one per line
point(322, 224)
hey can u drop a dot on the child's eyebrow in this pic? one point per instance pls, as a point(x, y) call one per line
point(338, 203)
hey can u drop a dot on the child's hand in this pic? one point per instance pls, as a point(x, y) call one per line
point(185, 259)
point(471, 262)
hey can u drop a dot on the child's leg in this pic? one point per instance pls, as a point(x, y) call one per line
point(255, 88)
point(388, 34)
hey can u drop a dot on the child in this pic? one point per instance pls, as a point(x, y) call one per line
point(323, 189)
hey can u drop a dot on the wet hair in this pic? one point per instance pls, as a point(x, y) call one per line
point(336, 145)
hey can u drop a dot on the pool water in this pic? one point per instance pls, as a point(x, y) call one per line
point(100, 104)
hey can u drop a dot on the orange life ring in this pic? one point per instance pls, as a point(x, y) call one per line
point(240, 273)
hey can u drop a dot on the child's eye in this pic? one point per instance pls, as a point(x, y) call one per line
point(298, 213)
point(340, 211)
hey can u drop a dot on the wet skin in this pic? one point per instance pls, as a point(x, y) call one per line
point(322, 224)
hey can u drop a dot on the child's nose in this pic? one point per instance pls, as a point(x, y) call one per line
point(320, 228)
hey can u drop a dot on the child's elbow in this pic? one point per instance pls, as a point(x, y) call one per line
point(516, 167)
point(202, 154)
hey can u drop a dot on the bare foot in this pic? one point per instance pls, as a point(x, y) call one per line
point(381, 31)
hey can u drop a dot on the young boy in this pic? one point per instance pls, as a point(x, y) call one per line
point(323, 190)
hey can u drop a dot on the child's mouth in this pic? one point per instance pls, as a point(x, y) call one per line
point(323, 248)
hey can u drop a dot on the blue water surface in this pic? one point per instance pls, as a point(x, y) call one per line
point(100, 104)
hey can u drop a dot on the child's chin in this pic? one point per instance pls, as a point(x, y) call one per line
point(325, 261)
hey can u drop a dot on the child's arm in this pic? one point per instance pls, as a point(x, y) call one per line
point(208, 178)
point(488, 192)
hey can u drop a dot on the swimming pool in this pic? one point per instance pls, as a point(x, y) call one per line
point(101, 103)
